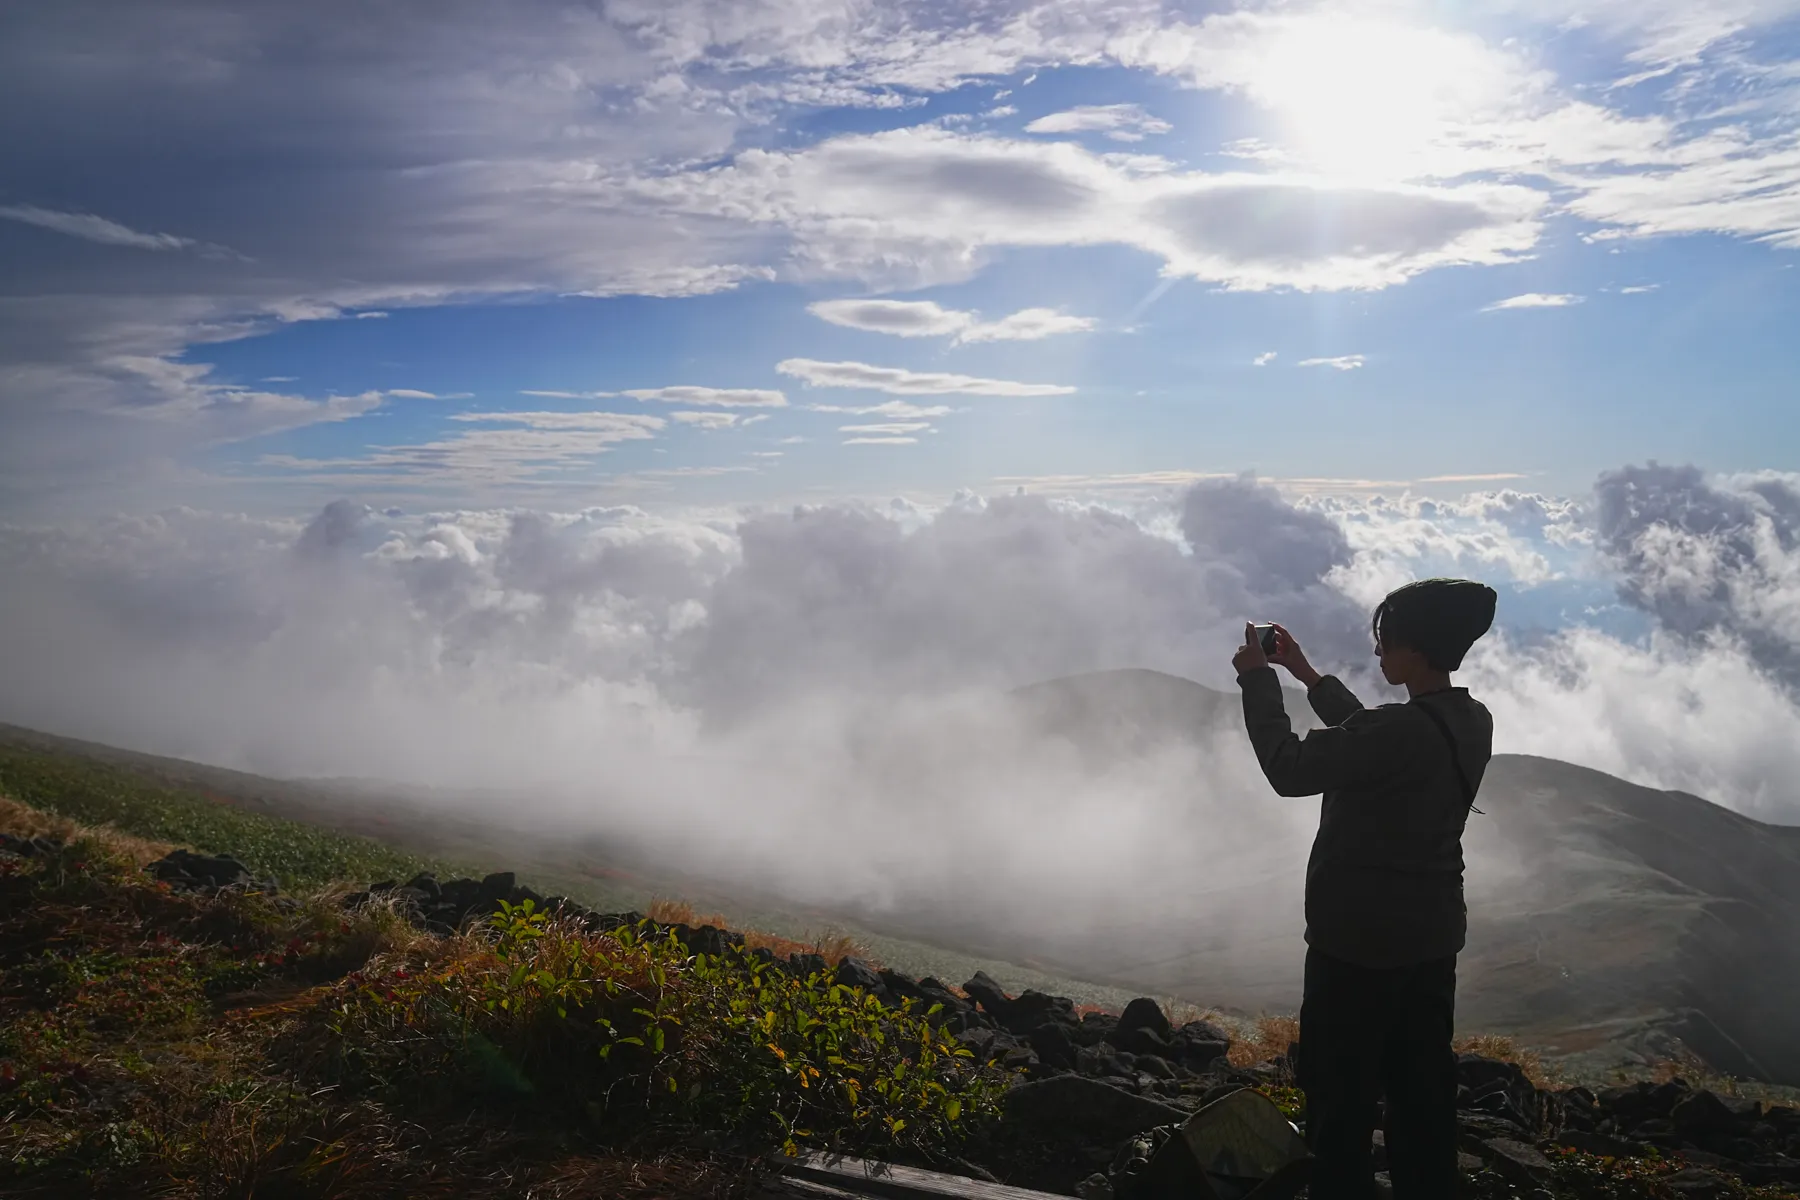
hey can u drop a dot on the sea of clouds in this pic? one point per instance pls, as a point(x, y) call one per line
point(743, 692)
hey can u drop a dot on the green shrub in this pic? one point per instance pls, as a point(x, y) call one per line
point(628, 1030)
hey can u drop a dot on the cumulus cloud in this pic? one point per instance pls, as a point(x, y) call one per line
point(1120, 122)
point(1535, 300)
point(832, 669)
point(721, 397)
point(902, 382)
point(1340, 362)
point(1263, 359)
point(925, 318)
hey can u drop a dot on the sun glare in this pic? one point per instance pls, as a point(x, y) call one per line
point(1376, 99)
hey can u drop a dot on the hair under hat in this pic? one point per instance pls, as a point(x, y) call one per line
point(1440, 618)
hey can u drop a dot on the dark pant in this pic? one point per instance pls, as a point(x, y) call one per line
point(1365, 1032)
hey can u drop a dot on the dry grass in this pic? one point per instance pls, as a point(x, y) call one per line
point(21, 820)
point(1270, 1038)
point(1496, 1046)
point(831, 945)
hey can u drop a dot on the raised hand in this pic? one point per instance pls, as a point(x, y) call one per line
point(1288, 654)
point(1249, 656)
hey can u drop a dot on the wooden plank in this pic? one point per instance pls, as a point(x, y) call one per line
point(892, 1182)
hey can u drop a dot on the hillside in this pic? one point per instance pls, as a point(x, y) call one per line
point(1606, 919)
point(1613, 925)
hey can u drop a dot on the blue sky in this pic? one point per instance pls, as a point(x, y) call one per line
point(262, 263)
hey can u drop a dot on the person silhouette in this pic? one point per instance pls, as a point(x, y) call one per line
point(1385, 917)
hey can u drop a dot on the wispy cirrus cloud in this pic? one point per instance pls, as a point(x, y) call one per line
point(1340, 362)
point(91, 228)
point(1120, 122)
point(1535, 300)
point(926, 318)
point(705, 420)
point(902, 382)
point(719, 397)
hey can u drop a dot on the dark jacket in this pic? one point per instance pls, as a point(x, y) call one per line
point(1384, 883)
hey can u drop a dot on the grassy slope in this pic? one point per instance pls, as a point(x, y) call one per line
point(249, 817)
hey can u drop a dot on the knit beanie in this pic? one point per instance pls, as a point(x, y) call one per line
point(1440, 618)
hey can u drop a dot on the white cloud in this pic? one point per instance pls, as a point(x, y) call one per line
point(894, 427)
point(91, 228)
point(881, 441)
point(925, 318)
point(705, 420)
point(902, 318)
point(903, 382)
point(1534, 300)
point(1121, 122)
point(372, 315)
point(1027, 325)
point(887, 408)
point(1001, 111)
point(1638, 288)
point(721, 397)
point(531, 446)
point(1263, 359)
point(921, 204)
point(1341, 362)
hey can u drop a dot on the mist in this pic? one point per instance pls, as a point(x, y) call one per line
point(817, 701)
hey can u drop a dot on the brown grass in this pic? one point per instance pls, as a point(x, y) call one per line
point(23, 821)
point(1491, 1045)
point(1271, 1039)
point(834, 947)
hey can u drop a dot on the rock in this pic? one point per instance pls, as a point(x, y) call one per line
point(990, 995)
point(1703, 1113)
point(1695, 1182)
point(1072, 1106)
point(1467, 1163)
point(1517, 1161)
point(1601, 1144)
point(1144, 1013)
point(1156, 1068)
point(184, 868)
point(854, 972)
point(1095, 1027)
point(978, 1041)
point(1094, 1187)
point(426, 883)
point(1054, 1049)
point(496, 887)
point(901, 986)
point(1143, 1040)
point(808, 964)
point(1033, 1008)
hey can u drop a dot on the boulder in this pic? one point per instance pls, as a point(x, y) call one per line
point(1095, 1027)
point(1054, 1049)
point(1695, 1182)
point(1601, 1144)
point(1144, 1013)
point(184, 868)
point(854, 972)
point(1033, 1008)
point(1073, 1106)
point(990, 995)
point(1518, 1161)
point(1700, 1114)
point(1143, 1040)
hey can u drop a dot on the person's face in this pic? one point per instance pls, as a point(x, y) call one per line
point(1398, 663)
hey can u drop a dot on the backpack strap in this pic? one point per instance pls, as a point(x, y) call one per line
point(1455, 759)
